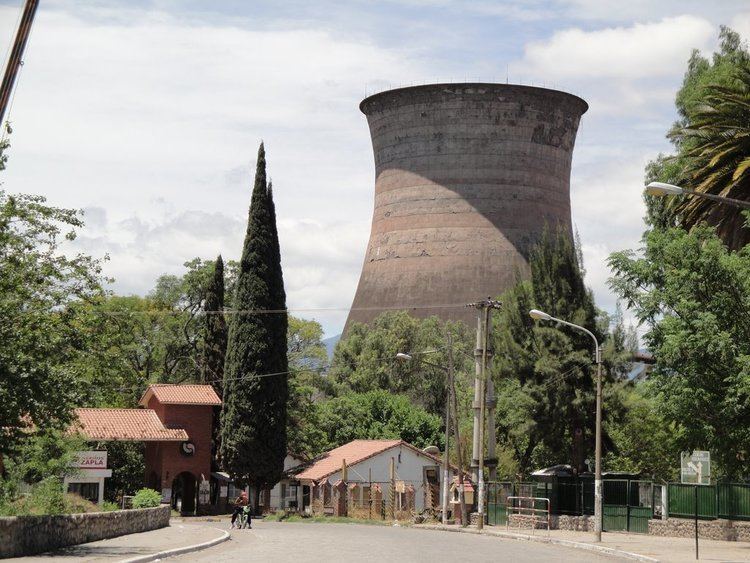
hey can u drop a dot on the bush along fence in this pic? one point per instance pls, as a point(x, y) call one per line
point(630, 505)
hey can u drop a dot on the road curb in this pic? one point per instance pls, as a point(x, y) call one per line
point(180, 550)
point(544, 539)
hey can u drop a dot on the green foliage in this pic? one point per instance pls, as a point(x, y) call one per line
point(40, 342)
point(365, 359)
point(545, 375)
point(308, 359)
point(41, 461)
point(146, 498)
point(215, 344)
point(127, 462)
point(646, 443)
point(108, 506)
point(710, 140)
point(254, 419)
point(695, 296)
point(377, 414)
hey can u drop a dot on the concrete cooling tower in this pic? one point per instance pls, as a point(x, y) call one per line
point(467, 177)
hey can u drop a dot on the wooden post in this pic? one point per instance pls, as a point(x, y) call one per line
point(369, 502)
point(392, 495)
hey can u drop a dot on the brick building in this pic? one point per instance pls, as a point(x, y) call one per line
point(176, 424)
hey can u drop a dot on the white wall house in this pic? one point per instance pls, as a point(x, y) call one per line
point(287, 493)
point(417, 474)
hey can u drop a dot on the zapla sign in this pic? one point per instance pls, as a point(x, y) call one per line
point(90, 460)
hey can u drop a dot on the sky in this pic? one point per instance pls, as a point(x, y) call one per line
point(147, 115)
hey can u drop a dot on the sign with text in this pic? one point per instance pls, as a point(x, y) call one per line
point(695, 468)
point(90, 460)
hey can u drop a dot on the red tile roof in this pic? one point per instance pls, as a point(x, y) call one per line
point(125, 424)
point(168, 394)
point(353, 452)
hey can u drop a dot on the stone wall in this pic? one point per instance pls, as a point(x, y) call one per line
point(728, 530)
point(27, 535)
point(557, 522)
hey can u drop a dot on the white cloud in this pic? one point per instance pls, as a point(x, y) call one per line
point(151, 121)
point(642, 50)
point(152, 124)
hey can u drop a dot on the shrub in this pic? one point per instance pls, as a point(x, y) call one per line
point(47, 497)
point(109, 506)
point(146, 498)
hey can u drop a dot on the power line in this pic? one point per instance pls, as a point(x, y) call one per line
point(227, 312)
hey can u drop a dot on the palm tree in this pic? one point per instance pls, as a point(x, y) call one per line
point(717, 159)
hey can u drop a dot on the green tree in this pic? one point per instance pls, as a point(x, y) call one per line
point(308, 361)
point(710, 140)
point(694, 295)
point(253, 436)
point(645, 443)
point(377, 415)
point(717, 153)
point(545, 376)
point(215, 345)
point(366, 359)
point(39, 337)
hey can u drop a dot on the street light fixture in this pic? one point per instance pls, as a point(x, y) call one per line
point(661, 189)
point(538, 315)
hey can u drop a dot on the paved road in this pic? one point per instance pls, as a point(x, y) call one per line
point(295, 542)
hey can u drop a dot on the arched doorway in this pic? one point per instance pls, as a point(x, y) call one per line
point(183, 493)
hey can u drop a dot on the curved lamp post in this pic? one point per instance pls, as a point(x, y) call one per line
point(661, 189)
point(542, 316)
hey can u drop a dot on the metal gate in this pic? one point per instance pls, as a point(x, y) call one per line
point(497, 496)
point(628, 505)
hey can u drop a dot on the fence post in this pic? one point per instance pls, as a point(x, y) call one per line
point(369, 476)
point(392, 495)
point(696, 521)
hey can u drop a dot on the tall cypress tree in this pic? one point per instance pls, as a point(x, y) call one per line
point(253, 444)
point(215, 345)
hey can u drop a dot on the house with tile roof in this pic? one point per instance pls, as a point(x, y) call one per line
point(176, 425)
point(357, 476)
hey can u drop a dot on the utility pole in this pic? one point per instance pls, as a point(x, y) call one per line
point(482, 355)
point(446, 488)
point(456, 431)
point(16, 55)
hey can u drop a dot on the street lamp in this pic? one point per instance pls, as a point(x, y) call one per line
point(449, 396)
point(660, 189)
point(538, 315)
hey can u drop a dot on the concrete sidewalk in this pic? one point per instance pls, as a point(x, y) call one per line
point(667, 550)
point(177, 535)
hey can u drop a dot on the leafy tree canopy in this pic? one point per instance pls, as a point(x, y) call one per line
point(365, 360)
point(40, 341)
point(694, 294)
point(377, 415)
point(711, 142)
point(545, 375)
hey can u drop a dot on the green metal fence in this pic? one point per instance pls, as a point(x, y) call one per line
point(724, 500)
point(733, 501)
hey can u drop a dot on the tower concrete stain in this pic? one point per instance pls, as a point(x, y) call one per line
point(467, 178)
